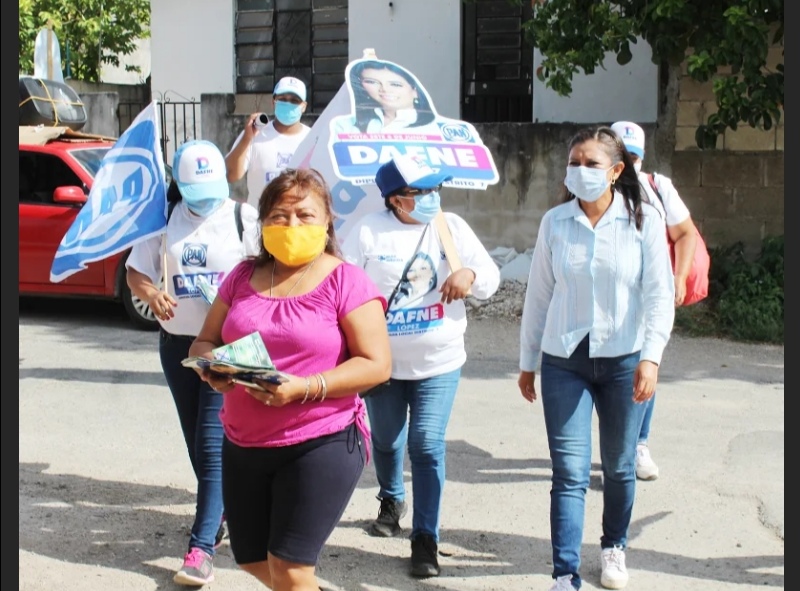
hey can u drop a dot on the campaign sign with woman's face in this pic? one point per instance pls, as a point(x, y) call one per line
point(390, 91)
point(382, 110)
point(391, 113)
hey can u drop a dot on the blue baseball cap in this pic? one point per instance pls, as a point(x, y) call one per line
point(407, 171)
point(198, 168)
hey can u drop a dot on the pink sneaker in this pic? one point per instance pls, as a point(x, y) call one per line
point(197, 569)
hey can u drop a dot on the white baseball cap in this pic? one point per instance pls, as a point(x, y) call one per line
point(407, 171)
point(631, 135)
point(198, 168)
point(290, 85)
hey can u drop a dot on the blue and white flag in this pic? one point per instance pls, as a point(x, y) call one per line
point(127, 202)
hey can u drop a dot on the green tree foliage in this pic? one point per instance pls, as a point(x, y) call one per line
point(723, 41)
point(95, 32)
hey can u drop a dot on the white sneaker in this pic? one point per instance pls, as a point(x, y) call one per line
point(646, 468)
point(563, 584)
point(614, 574)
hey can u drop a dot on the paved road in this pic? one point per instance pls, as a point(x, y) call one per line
point(104, 482)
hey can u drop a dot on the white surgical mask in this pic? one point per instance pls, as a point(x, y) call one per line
point(587, 184)
point(426, 207)
point(204, 207)
point(637, 166)
point(287, 113)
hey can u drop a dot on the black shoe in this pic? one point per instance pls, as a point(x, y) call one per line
point(424, 556)
point(387, 525)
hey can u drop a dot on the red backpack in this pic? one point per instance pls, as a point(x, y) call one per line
point(697, 281)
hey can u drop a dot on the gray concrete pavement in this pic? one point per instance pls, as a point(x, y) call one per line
point(105, 485)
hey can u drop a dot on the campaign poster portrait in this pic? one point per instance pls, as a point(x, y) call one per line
point(392, 113)
point(382, 110)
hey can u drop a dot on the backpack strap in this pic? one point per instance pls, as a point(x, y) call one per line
point(170, 207)
point(237, 213)
point(652, 180)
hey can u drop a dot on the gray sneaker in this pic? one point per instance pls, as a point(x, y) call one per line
point(197, 569)
point(387, 525)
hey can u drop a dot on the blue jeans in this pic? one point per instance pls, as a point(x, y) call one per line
point(198, 409)
point(413, 413)
point(644, 432)
point(571, 388)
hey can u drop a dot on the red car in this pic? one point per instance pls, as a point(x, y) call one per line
point(56, 169)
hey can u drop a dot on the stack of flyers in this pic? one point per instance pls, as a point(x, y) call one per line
point(243, 361)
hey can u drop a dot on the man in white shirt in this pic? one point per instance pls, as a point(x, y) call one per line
point(263, 151)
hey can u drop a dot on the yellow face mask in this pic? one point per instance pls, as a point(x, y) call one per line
point(294, 246)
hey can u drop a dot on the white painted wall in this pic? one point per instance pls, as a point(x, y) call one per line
point(193, 48)
point(117, 74)
point(424, 36)
point(617, 92)
point(192, 44)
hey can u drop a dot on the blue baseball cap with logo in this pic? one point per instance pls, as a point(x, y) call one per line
point(198, 168)
point(407, 171)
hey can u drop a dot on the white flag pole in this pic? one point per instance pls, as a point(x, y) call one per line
point(166, 193)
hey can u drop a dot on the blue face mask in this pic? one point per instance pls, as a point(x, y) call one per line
point(287, 113)
point(587, 184)
point(426, 207)
point(203, 207)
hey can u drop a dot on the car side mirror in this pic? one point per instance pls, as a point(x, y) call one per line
point(69, 195)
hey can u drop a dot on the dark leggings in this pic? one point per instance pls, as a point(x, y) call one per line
point(287, 500)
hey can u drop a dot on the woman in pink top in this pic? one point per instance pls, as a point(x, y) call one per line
point(293, 452)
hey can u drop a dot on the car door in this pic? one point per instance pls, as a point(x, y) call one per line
point(43, 223)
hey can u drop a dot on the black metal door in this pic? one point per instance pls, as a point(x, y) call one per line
point(496, 62)
point(303, 38)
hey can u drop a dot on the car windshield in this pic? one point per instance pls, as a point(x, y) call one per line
point(90, 158)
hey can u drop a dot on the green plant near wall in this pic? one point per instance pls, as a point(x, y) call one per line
point(746, 298)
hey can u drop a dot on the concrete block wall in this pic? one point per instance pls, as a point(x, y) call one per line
point(128, 93)
point(735, 193)
point(101, 113)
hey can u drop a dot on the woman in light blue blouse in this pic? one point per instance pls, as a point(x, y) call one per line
point(597, 316)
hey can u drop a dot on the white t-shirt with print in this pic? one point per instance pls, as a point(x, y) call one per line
point(673, 210)
point(426, 335)
point(270, 152)
point(196, 246)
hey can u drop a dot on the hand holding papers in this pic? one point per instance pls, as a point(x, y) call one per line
point(243, 361)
